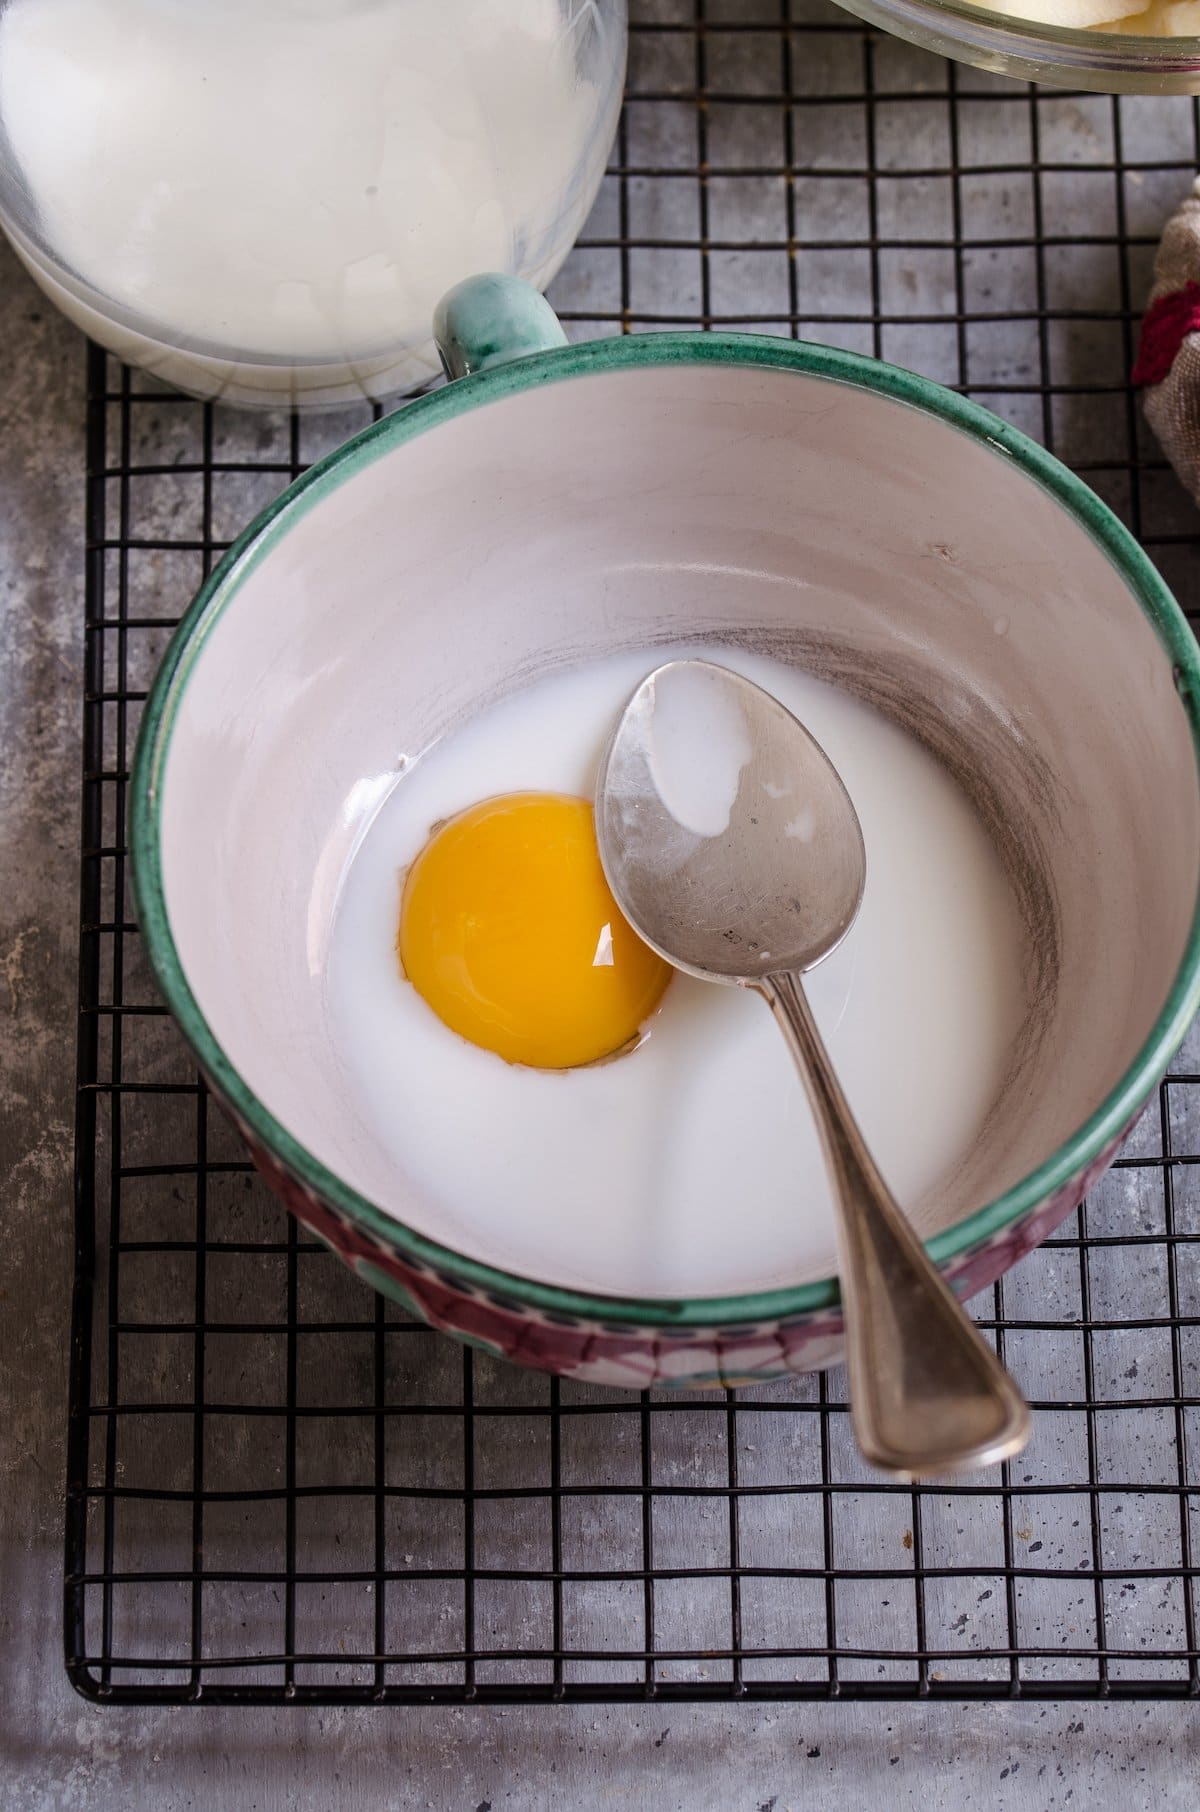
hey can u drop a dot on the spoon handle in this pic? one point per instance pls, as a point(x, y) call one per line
point(927, 1393)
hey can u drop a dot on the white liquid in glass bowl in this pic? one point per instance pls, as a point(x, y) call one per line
point(265, 203)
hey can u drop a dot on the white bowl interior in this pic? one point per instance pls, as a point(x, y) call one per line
point(852, 534)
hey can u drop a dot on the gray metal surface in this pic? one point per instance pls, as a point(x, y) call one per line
point(56, 1752)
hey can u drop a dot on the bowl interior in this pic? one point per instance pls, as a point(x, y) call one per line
point(846, 531)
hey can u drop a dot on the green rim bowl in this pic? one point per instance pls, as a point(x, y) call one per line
point(1072, 715)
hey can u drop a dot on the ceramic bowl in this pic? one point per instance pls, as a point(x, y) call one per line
point(551, 506)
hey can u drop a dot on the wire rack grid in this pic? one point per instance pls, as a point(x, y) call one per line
point(281, 1491)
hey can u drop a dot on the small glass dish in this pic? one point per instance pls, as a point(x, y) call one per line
point(1102, 61)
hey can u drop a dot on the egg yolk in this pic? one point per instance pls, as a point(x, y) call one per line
point(509, 932)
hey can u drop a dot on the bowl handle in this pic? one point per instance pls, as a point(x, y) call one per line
point(490, 320)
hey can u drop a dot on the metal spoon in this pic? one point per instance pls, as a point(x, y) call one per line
point(733, 848)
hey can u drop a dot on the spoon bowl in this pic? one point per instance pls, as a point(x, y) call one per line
point(733, 848)
point(735, 853)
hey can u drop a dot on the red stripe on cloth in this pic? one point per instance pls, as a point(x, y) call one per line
point(1167, 324)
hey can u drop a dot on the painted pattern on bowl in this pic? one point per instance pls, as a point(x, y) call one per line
point(633, 1356)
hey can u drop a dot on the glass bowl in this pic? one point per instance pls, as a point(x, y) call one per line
point(264, 204)
point(1105, 62)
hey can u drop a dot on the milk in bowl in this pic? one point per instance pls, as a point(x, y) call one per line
point(689, 1163)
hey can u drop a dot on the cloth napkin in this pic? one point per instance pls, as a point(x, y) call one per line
point(1168, 361)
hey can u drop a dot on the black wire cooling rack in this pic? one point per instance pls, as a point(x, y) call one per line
point(279, 1490)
